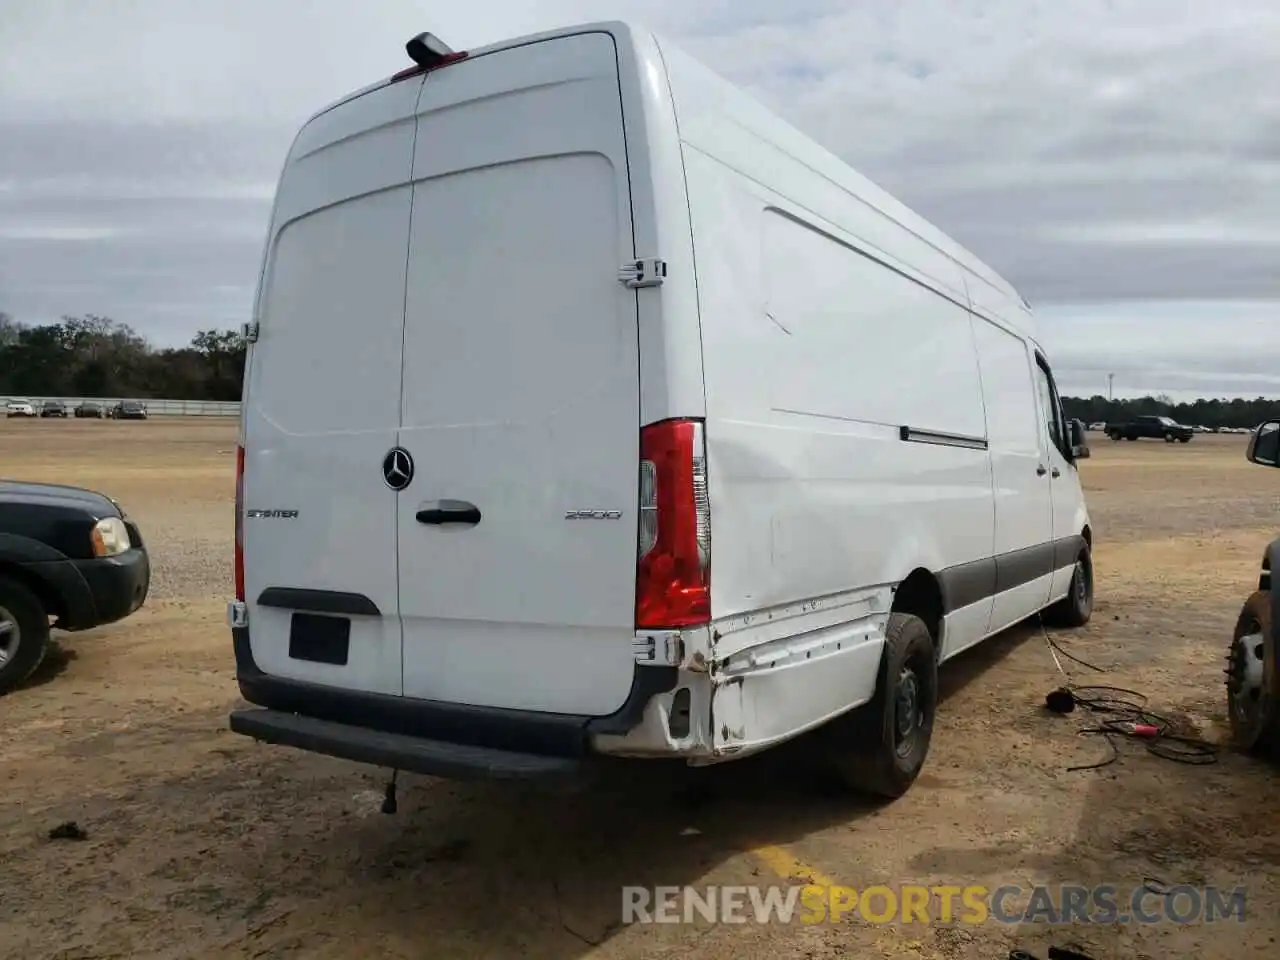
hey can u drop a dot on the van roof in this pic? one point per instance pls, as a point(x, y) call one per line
point(866, 191)
point(616, 27)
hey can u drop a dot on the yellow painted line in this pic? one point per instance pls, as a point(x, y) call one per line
point(792, 869)
point(789, 867)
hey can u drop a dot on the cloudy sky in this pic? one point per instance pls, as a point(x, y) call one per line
point(1117, 160)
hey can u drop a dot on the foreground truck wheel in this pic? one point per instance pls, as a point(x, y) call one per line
point(1253, 700)
point(24, 633)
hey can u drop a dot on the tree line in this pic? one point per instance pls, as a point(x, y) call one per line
point(93, 356)
point(1199, 413)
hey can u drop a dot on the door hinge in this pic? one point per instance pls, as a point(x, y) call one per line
point(650, 272)
point(249, 331)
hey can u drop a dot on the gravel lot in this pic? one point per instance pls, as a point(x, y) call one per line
point(203, 844)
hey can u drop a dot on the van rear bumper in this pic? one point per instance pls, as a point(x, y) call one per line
point(441, 739)
point(398, 751)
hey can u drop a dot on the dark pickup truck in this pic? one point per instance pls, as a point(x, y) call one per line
point(68, 554)
point(1155, 428)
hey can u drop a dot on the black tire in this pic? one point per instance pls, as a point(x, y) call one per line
point(27, 616)
point(1075, 609)
point(867, 748)
point(1255, 720)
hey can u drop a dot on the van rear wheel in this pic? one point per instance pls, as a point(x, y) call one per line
point(879, 749)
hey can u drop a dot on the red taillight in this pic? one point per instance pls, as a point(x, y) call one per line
point(673, 575)
point(239, 522)
point(418, 69)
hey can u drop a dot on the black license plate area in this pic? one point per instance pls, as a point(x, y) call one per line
point(319, 639)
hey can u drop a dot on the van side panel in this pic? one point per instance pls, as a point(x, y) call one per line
point(816, 357)
point(841, 329)
point(721, 121)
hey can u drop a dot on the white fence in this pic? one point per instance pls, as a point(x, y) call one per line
point(155, 407)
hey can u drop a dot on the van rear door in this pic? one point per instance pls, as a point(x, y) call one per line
point(521, 386)
point(323, 401)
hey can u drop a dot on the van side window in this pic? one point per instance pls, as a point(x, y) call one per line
point(1013, 420)
point(1050, 405)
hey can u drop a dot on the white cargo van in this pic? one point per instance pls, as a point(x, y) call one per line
point(590, 409)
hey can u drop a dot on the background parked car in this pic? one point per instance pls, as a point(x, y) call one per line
point(53, 408)
point(1156, 428)
point(128, 410)
point(89, 409)
point(19, 408)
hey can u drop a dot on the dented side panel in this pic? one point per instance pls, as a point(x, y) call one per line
point(763, 678)
point(773, 691)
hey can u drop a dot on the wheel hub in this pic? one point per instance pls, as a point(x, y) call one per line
point(1247, 671)
point(9, 636)
point(908, 715)
point(1247, 682)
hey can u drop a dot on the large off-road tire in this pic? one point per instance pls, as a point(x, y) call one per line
point(880, 748)
point(1253, 690)
point(1075, 609)
point(24, 633)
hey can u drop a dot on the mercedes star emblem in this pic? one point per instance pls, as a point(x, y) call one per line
point(397, 468)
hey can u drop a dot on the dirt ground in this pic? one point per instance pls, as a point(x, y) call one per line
point(204, 844)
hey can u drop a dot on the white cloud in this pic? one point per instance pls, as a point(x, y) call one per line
point(63, 233)
point(1104, 154)
point(1197, 232)
point(88, 186)
point(1185, 349)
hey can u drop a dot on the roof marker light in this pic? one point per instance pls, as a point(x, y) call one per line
point(426, 49)
point(428, 52)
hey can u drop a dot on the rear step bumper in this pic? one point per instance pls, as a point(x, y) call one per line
point(398, 751)
point(442, 739)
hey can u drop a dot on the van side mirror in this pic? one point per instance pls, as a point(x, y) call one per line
point(1079, 445)
point(1264, 444)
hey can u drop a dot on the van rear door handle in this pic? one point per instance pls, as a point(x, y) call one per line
point(1056, 473)
point(1041, 470)
point(449, 511)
